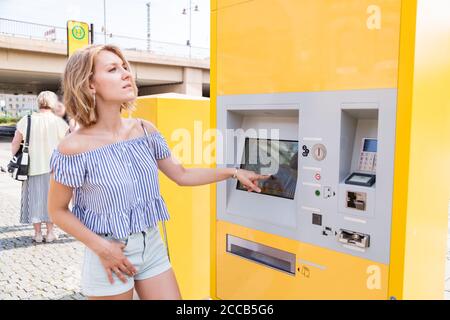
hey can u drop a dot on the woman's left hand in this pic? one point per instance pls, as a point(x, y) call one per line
point(249, 179)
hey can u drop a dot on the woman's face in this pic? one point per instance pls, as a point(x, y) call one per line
point(111, 80)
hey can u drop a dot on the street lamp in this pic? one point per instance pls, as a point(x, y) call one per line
point(189, 42)
point(148, 26)
point(104, 19)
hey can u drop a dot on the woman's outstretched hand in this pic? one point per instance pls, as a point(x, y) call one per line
point(249, 179)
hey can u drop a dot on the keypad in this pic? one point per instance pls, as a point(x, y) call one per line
point(368, 161)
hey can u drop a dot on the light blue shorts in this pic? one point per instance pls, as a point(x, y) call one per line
point(146, 252)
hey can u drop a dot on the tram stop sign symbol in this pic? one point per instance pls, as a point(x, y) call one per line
point(78, 32)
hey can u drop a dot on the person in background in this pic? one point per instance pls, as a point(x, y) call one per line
point(60, 111)
point(46, 131)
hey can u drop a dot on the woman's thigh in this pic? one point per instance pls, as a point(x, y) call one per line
point(123, 296)
point(161, 287)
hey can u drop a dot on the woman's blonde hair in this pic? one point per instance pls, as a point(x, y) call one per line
point(77, 75)
point(47, 100)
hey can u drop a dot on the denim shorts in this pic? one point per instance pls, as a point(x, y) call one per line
point(146, 252)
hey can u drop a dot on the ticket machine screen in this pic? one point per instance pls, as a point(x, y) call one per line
point(277, 158)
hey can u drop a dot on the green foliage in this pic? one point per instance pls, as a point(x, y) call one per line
point(8, 120)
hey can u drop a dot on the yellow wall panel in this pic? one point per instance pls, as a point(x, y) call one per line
point(228, 3)
point(402, 149)
point(268, 46)
point(429, 183)
point(189, 207)
point(213, 124)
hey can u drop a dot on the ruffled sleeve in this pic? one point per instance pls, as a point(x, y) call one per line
point(160, 146)
point(69, 170)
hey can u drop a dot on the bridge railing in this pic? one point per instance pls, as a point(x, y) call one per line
point(32, 30)
point(157, 47)
point(57, 34)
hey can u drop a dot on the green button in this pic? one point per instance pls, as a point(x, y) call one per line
point(317, 193)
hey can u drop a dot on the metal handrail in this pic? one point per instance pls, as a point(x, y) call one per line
point(59, 35)
point(33, 23)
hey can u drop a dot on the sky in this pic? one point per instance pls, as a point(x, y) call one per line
point(125, 18)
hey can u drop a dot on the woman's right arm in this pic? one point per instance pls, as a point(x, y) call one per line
point(15, 144)
point(109, 252)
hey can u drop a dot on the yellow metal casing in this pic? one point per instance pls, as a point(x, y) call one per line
point(183, 120)
point(334, 276)
point(213, 119)
point(422, 174)
point(300, 46)
point(311, 46)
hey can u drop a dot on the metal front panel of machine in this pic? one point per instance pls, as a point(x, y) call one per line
point(337, 204)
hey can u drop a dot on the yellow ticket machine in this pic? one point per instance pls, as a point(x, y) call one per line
point(346, 105)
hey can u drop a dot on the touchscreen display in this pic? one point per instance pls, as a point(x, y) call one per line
point(277, 158)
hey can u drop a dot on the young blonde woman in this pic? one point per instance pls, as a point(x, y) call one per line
point(46, 131)
point(110, 166)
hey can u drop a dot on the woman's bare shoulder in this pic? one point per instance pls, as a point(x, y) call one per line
point(73, 143)
point(150, 127)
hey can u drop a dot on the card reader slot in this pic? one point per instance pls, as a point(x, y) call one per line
point(259, 253)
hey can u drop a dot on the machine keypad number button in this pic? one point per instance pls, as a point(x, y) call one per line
point(319, 152)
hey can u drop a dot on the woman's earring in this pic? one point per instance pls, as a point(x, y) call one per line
point(94, 101)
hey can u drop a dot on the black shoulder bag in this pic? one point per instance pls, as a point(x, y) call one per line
point(18, 166)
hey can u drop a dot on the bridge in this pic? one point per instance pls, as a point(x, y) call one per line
point(30, 63)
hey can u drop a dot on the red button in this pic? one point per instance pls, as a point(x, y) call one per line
point(317, 176)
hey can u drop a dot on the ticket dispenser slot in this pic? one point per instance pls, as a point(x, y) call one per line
point(261, 254)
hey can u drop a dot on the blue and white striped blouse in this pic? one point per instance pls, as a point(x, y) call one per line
point(116, 186)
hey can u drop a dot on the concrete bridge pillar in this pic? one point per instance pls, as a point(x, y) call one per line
point(191, 85)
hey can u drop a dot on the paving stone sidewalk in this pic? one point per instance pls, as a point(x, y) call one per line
point(29, 270)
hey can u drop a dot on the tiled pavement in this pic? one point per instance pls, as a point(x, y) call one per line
point(29, 270)
point(47, 271)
